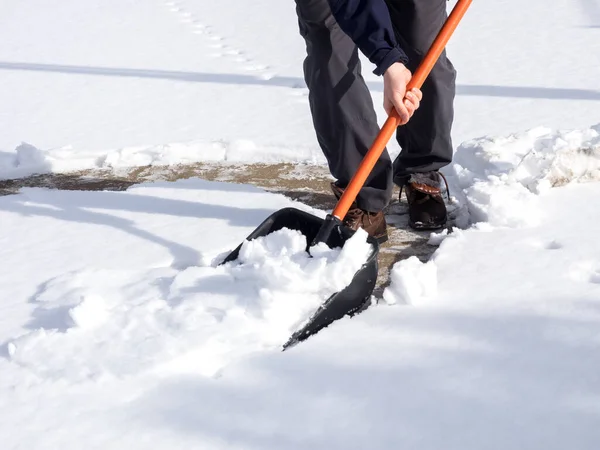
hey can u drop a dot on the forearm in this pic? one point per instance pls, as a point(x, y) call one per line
point(368, 24)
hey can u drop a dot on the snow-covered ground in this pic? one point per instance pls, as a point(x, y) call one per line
point(107, 83)
point(118, 330)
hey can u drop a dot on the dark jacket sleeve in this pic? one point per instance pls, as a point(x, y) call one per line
point(369, 25)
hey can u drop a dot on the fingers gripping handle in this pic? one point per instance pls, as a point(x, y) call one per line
point(392, 122)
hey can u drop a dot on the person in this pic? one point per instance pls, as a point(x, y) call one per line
point(394, 35)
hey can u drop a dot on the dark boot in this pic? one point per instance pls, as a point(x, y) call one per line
point(372, 222)
point(426, 207)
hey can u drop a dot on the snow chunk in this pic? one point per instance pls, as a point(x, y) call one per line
point(290, 282)
point(435, 239)
point(412, 282)
point(11, 348)
point(90, 313)
point(25, 161)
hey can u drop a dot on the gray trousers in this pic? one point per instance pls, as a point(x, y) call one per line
point(341, 105)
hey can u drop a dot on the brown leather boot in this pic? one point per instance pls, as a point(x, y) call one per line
point(426, 207)
point(372, 222)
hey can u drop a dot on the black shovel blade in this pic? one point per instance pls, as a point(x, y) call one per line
point(352, 299)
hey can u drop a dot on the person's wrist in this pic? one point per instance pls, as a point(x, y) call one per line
point(398, 68)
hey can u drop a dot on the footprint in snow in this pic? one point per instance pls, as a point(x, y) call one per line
point(218, 43)
point(546, 245)
point(553, 245)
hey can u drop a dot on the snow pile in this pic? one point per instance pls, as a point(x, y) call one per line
point(26, 160)
point(502, 176)
point(199, 319)
point(412, 282)
point(502, 179)
point(29, 160)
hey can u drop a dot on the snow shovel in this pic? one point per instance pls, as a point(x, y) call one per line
point(331, 230)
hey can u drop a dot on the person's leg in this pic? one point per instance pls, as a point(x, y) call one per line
point(426, 141)
point(341, 105)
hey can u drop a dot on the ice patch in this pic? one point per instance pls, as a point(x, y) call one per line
point(412, 282)
point(103, 323)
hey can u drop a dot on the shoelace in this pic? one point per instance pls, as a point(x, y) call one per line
point(354, 215)
point(445, 182)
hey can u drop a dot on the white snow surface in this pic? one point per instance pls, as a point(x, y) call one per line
point(115, 313)
point(411, 282)
point(107, 83)
point(118, 328)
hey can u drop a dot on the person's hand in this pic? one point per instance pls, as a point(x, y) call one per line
point(395, 96)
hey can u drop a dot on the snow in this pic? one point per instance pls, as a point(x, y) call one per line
point(120, 330)
point(412, 282)
point(505, 183)
point(28, 160)
point(153, 82)
point(502, 177)
point(118, 315)
point(211, 315)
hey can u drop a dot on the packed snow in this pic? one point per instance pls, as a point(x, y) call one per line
point(118, 327)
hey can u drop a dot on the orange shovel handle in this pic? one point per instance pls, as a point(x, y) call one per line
point(390, 125)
